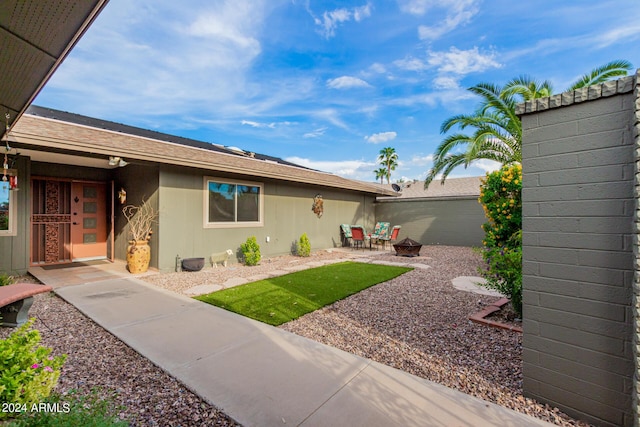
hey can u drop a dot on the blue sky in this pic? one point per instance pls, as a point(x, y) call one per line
point(328, 84)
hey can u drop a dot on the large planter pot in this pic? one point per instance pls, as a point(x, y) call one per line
point(138, 256)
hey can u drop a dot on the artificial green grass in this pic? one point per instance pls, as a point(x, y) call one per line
point(284, 298)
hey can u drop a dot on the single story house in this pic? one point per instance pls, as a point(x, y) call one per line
point(210, 198)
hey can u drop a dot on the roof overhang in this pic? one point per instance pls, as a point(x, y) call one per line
point(35, 37)
point(77, 141)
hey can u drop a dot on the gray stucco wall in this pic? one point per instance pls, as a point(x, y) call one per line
point(578, 206)
point(141, 183)
point(287, 214)
point(14, 250)
point(451, 221)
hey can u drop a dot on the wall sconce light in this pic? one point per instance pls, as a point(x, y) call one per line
point(122, 196)
point(117, 161)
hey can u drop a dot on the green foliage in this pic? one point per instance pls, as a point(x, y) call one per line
point(304, 246)
point(5, 279)
point(388, 158)
point(27, 371)
point(251, 251)
point(496, 129)
point(501, 199)
point(284, 298)
point(92, 410)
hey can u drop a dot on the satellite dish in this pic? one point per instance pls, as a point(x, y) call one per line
point(396, 188)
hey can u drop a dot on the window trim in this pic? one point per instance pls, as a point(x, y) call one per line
point(13, 218)
point(236, 224)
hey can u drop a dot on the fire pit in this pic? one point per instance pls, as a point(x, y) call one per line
point(407, 247)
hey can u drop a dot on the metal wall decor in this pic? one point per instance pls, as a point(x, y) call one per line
point(318, 205)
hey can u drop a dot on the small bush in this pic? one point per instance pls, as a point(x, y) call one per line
point(5, 279)
point(74, 410)
point(501, 199)
point(304, 246)
point(251, 251)
point(27, 371)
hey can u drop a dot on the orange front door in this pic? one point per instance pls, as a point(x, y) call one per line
point(88, 221)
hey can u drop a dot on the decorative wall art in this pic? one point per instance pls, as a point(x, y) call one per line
point(318, 205)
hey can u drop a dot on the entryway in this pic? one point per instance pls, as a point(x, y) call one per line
point(69, 221)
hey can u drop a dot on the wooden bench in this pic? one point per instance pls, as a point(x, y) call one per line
point(16, 300)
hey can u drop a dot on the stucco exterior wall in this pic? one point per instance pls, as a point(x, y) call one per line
point(451, 221)
point(578, 207)
point(14, 250)
point(141, 183)
point(287, 214)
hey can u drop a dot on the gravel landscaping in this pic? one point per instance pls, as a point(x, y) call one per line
point(96, 358)
point(416, 322)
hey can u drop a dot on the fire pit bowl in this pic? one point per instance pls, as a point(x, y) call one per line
point(407, 247)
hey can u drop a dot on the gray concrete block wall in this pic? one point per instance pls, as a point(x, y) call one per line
point(578, 262)
point(636, 251)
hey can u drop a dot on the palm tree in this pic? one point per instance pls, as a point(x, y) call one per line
point(497, 136)
point(389, 159)
point(617, 68)
point(497, 129)
point(380, 174)
point(529, 88)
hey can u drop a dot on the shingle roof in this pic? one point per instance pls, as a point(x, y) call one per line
point(81, 137)
point(452, 188)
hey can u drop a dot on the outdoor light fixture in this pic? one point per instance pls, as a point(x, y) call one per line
point(117, 161)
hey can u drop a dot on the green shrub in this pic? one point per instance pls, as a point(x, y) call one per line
point(251, 251)
point(304, 246)
point(73, 409)
point(27, 371)
point(501, 199)
point(5, 279)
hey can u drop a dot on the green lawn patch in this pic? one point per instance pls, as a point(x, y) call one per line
point(281, 299)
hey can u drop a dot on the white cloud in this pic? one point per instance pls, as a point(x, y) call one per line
point(332, 19)
point(354, 169)
point(422, 160)
point(315, 133)
point(411, 64)
point(486, 165)
point(163, 59)
point(446, 82)
point(381, 137)
point(346, 82)
point(258, 124)
point(377, 68)
point(455, 13)
point(462, 62)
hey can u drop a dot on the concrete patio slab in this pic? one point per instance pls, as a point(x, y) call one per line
point(384, 396)
point(203, 289)
point(273, 379)
point(235, 281)
point(472, 284)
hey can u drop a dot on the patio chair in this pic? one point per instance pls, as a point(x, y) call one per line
point(393, 236)
point(380, 232)
point(358, 236)
point(345, 234)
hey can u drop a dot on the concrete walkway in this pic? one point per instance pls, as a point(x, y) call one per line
point(264, 376)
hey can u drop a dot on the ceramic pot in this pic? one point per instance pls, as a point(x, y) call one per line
point(138, 256)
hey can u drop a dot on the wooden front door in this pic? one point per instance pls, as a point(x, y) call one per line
point(88, 221)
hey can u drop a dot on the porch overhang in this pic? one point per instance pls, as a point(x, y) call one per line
point(35, 37)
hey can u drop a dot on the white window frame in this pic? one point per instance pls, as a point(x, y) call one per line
point(13, 218)
point(236, 224)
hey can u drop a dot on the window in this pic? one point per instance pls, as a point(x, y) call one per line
point(232, 203)
point(7, 210)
